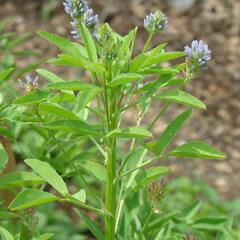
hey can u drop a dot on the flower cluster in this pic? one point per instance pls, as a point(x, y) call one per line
point(80, 11)
point(28, 84)
point(155, 22)
point(199, 53)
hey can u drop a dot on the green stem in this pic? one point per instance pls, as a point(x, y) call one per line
point(148, 43)
point(145, 225)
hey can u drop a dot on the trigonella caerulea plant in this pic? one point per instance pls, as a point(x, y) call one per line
point(68, 113)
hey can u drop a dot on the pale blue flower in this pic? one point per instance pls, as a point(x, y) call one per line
point(80, 11)
point(200, 52)
point(29, 84)
point(155, 22)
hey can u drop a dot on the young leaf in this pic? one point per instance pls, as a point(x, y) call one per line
point(45, 236)
point(88, 42)
point(5, 74)
point(71, 85)
point(169, 133)
point(76, 126)
point(55, 109)
point(3, 157)
point(45, 171)
point(133, 132)
point(5, 234)
point(80, 196)
point(92, 226)
point(179, 96)
point(197, 149)
point(65, 45)
point(31, 198)
point(94, 168)
point(49, 75)
point(20, 179)
point(31, 98)
point(125, 78)
point(145, 177)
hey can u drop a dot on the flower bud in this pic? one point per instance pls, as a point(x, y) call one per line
point(155, 22)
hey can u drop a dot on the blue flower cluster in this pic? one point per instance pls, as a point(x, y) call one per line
point(155, 22)
point(199, 52)
point(80, 11)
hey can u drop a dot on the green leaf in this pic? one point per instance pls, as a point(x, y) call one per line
point(158, 70)
point(209, 223)
point(49, 75)
point(64, 44)
point(5, 234)
point(45, 236)
point(7, 215)
point(85, 97)
point(197, 149)
point(20, 179)
point(133, 132)
point(190, 211)
point(71, 85)
point(3, 157)
point(68, 60)
point(76, 126)
point(92, 226)
point(31, 198)
point(32, 98)
point(6, 133)
point(169, 133)
point(97, 170)
point(55, 109)
point(125, 78)
point(49, 174)
point(62, 97)
point(5, 74)
point(145, 177)
point(181, 97)
point(88, 42)
point(80, 196)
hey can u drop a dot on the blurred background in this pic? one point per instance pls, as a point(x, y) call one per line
point(217, 22)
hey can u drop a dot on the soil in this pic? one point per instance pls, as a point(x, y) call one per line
point(217, 22)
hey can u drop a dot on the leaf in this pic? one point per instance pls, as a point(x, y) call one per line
point(7, 215)
point(5, 74)
point(32, 98)
point(76, 126)
point(31, 198)
point(88, 42)
point(49, 75)
point(133, 132)
point(145, 177)
point(158, 70)
point(3, 157)
point(94, 168)
point(5, 234)
point(169, 133)
point(209, 223)
point(62, 97)
point(80, 196)
point(125, 78)
point(68, 60)
point(64, 44)
point(197, 149)
point(179, 96)
point(49, 174)
point(6, 133)
point(92, 226)
point(20, 179)
point(55, 109)
point(85, 97)
point(45, 236)
point(190, 211)
point(71, 85)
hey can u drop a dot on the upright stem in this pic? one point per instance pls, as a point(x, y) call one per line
point(148, 42)
point(111, 197)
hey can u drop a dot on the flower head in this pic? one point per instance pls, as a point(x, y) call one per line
point(198, 52)
point(79, 11)
point(29, 84)
point(155, 22)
